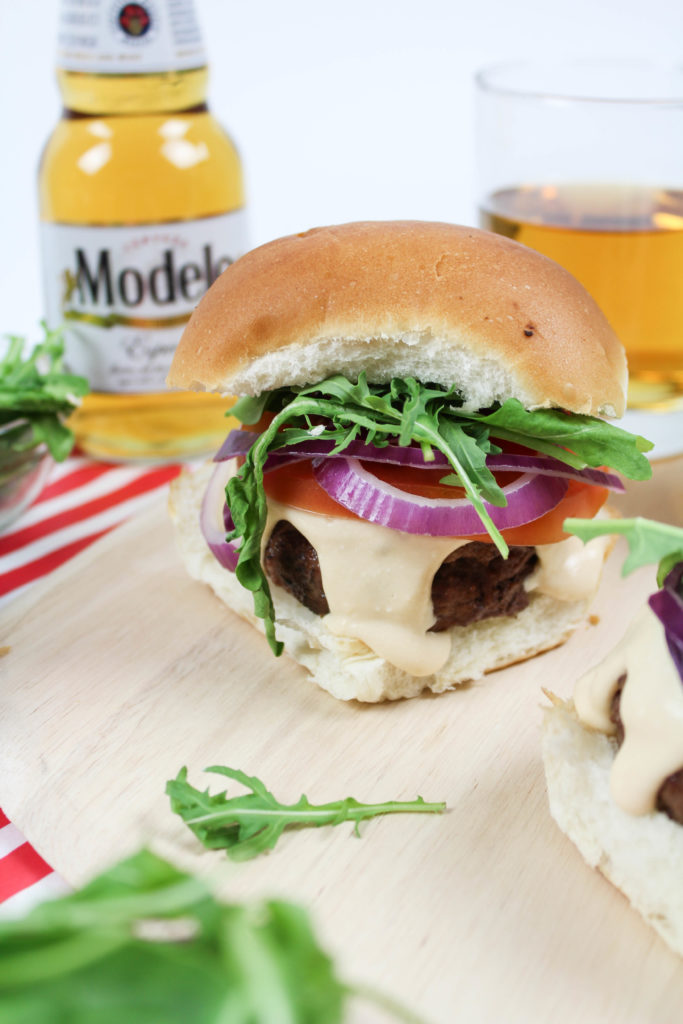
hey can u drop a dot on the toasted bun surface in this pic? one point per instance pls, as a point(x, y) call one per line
point(446, 304)
point(346, 667)
point(642, 856)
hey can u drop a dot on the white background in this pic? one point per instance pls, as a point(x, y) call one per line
point(341, 111)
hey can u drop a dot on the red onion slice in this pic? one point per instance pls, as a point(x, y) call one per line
point(668, 607)
point(674, 582)
point(353, 486)
point(238, 442)
point(667, 604)
point(676, 651)
point(213, 522)
point(547, 466)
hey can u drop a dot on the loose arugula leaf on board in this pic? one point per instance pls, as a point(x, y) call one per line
point(648, 541)
point(251, 823)
point(145, 943)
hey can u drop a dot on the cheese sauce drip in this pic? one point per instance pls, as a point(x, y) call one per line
point(378, 582)
point(569, 570)
point(378, 585)
point(651, 711)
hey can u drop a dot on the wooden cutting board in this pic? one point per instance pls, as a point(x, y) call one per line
point(122, 669)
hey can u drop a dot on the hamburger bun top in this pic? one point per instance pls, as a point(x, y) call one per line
point(439, 302)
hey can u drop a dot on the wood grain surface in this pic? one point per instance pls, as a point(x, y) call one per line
point(122, 669)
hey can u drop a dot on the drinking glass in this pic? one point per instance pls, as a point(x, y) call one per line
point(584, 162)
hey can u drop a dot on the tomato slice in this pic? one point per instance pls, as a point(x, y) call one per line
point(581, 500)
point(260, 426)
point(296, 486)
point(424, 482)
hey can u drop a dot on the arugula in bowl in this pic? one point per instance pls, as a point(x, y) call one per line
point(36, 397)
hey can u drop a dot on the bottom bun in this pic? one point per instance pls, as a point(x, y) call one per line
point(641, 855)
point(346, 667)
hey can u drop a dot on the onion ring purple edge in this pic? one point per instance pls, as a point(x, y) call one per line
point(353, 487)
point(669, 610)
point(212, 519)
point(238, 442)
point(667, 605)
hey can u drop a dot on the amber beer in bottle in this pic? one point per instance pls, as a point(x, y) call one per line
point(141, 203)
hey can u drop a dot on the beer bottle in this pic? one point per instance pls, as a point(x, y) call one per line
point(141, 204)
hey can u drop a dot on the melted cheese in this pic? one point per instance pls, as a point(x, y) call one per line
point(569, 570)
point(378, 585)
point(378, 582)
point(651, 711)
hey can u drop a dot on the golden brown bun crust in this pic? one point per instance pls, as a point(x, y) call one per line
point(405, 296)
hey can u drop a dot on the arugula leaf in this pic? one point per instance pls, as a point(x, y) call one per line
point(347, 407)
point(649, 541)
point(145, 943)
point(472, 452)
point(573, 438)
point(252, 823)
point(35, 390)
point(408, 412)
point(249, 410)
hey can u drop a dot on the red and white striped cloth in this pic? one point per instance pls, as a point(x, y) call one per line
point(81, 501)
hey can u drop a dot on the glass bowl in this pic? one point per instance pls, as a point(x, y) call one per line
point(22, 472)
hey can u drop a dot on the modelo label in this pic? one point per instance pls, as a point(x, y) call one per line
point(124, 294)
point(111, 38)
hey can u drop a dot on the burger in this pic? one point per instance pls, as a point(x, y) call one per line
point(421, 406)
point(614, 754)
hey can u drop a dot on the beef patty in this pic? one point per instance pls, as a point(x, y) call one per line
point(473, 583)
point(670, 794)
point(292, 563)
